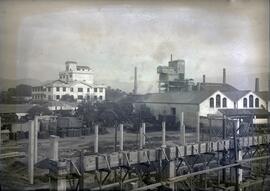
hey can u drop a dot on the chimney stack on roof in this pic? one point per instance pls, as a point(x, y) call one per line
point(135, 81)
point(203, 78)
point(257, 85)
point(224, 76)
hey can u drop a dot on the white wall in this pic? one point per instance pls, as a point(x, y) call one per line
point(261, 102)
point(205, 105)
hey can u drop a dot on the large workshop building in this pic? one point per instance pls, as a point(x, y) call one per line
point(177, 95)
point(76, 81)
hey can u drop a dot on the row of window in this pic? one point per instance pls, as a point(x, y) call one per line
point(39, 96)
point(64, 89)
point(250, 102)
point(81, 97)
point(65, 76)
point(38, 89)
point(218, 102)
point(224, 102)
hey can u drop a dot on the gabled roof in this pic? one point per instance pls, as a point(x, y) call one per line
point(263, 94)
point(217, 86)
point(236, 95)
point(15, 108)
point(191, 97)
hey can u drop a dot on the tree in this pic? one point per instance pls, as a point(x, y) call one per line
point(23, 90)
point(38, 110)
point(68, 98)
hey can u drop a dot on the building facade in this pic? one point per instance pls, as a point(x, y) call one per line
point(76, 81)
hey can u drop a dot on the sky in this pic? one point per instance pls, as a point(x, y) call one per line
point(112, 37)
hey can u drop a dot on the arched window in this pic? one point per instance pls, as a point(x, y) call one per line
point(218, 100)
point(245, 102)
point(224, 102)
point(251, 101)
point(257, 102)
point(211, 102)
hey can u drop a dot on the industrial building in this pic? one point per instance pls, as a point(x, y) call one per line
point(172, 77)
point(177, 95)
point(76, 81)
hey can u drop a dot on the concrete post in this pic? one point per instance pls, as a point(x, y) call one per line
point(240, 172)
point(198, 128)
point(170, 169)
point(143, 131)
point(54, 147)
point(96, 139)
point(31, 152)
point(121, 137)
point(0, 135)
point(141, 137)
point(182, 130)
point(163, 134)
point(36, 129)
point(58, 176)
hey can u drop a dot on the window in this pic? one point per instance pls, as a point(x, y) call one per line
point(211, 102)
point(257, 102)
point(64, 89)
point(57, 96)
point(88, 89)
point(71, 89)
point(100, 89)
point(88, 97)
point(49, 89)
point(49, 97)
point(245, 102)
point(80, 89)
point(95, 97)
point(57, 89)
point(70, 75)
point(173, 111)
point(251, 101)
point(100, 97)
point(218, 100)
point(95, 89)
point(224, 102)
point(80, 97)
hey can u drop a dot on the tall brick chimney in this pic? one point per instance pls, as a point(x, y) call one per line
point(203, 78)
point(224, 76)
point(257, 85)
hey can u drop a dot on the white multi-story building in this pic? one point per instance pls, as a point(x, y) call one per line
point(76, 81)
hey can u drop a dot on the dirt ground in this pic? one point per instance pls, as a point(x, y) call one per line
point(13, 172)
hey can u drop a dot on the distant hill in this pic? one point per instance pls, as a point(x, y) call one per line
point(8, 83)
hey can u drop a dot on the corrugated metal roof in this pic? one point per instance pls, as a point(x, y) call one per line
point(217, 86)
point(192, 97)
point(263, 94)
point(15, 108)
point(236, 95)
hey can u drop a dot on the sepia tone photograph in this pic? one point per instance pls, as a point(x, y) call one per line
point(134, 95)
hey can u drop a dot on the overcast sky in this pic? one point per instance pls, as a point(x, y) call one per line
point(37, 37)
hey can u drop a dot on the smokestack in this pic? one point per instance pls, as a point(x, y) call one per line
point(203, 77)
point(224, 76)
point(199, 86)
point(135, 81)
point(257, 85)
point(171, 57)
